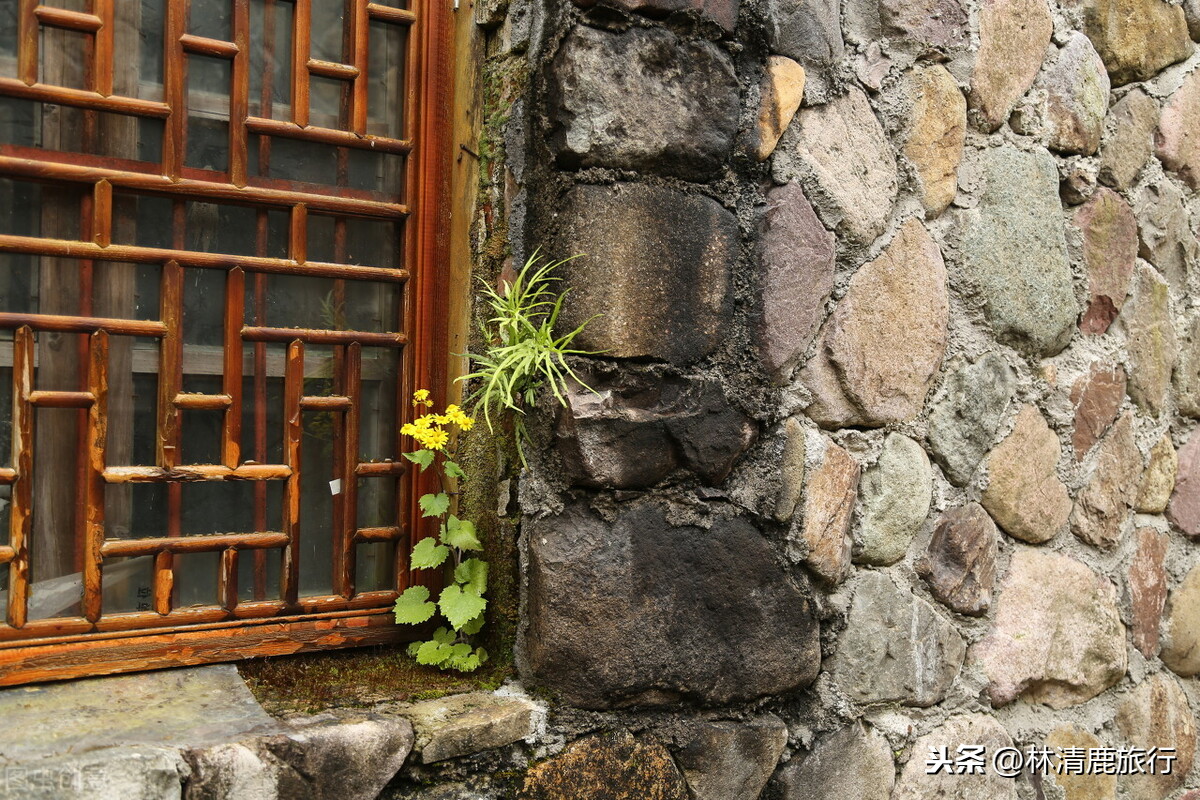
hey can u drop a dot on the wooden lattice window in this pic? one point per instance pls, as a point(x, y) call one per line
point(220, 247)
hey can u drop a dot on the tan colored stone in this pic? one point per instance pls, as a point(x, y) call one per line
point(1127, 146)
point(1157, 715)
point(1177, 142)
point(937, 128)
point(1136, 38)
point(791, 470)
point(1152, 347)
point(1069, 99)
point(1057, 637)
point(1104, 502)
point(1080, 787)
point(1148, 589)
point(1110, 248)
point(1184, 508)
point(1187, 368)
point(1024, 494)
point(1097, 398)
point(1159, 478)
point(782, 91)
point(465, 724)
point(969, 729)
point(886, 338)
point(828, 506)
point(1013, 36)
point(1165, 234)
point(1181, 645)
point(611, 766)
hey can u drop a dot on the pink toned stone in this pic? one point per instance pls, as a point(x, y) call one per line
point(1177, 141)
point(1110, 248)
point(1096, 397)
point(1184, 510)
point(1057, 637)
point(960, 566)
point(966, 730)
point(1157, 714)
point(1181, 647)
point(1013, 36)
point(1104, 502)
point(1148, 589)
point(828, 508)
point(1152, 344)
point(1024, 494)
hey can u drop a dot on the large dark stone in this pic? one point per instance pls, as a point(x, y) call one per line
point(643, 99)
point(722, 12)
point(656, 269)
point(809, 31)
point(637, 612)
point(635, 428)
point(611, 767)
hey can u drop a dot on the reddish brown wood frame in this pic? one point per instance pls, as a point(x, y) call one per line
point(95, 642)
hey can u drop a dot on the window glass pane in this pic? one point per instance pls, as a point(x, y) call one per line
point(208, 113)
point(327, 102)
point(62, 54)
point(8, 42)
point(196, 579)
point(269, 564)
point(128, 584)
point(380, 377)
point(132, 436)
point(377, 502)
point(270, 59)
point(138, 37)
point(328, 30)
point(211, 18)
point(135, 510)
point(375, 566)
point(56, 587)
point(385, 102)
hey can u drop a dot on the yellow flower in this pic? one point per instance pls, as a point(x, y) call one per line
point(466, 423)
point(423, 423)
point(421, 397)
point(408, 429)
point(435, 439)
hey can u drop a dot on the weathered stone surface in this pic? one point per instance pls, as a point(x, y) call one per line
point(1187, 368)
point(1166, 237)
point(791, 470)
point(885, 340)
point(638, 427)
point(960, 565)
point(638, 612)
point(895, 493)
point(822, 536)
point(1015, 252)
point(853, 763)
point(1152, 347)
point(896, 647)
point(1024, 494)
point(782, 91)
point(1096, 397)
point(1013, 36)
point(1181, 649)
point(964, 730)
point(465, 724)
point(1104, 502)
point(722, 12)
point(964, 420)
point(1069, 99)
point(1136, 38)
point(1130, 139)
point(1184, 510)
point(1177, 141)
point(642, 99)
point(936, 130)
point(1157, 714)
point(1057, 637)
point(139, 772)
point(1148, 589)
point(609, 767)
point(1080, 787)
point(658, 264)
point(847, 165)
point(731, 760)
point(1110, 248)
point(798, 266)
point(809, 31)
point(920, 27)
point(1158, 481)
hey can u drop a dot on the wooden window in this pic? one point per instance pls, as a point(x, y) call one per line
point(220, 256)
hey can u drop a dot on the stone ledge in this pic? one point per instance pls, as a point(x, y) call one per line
point(465, 724)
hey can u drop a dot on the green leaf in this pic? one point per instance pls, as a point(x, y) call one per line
point(434, 505)
point(453, 470)
point(413, 647)
point(460, 533)
point(413, 607)
point(422, 457)
point(473, 573)
point(444, 635)
point(473, 627)
point(469, 663)
point(460, 607)
point(429, 554)
point(433, 653)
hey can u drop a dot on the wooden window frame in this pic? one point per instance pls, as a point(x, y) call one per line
point(95, 644)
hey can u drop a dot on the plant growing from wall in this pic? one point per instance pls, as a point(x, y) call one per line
point(461, 601)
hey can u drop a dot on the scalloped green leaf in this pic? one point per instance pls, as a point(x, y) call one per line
point(422, 457)
point(432, 653)
point(434, 505)
point(428, 554)
point(414, 607)
point(473, 627)
point(473, 573)
point(452, 470)
point(460, 607)
point(460, 533)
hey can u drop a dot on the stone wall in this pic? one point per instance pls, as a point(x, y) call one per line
point(894, 442)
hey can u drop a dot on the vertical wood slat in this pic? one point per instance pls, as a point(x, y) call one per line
point(344, 548)
point(164, 582)
point(235, 305)
point(170, 371)
point(293, 427)
point(20, 512)
point(102, 213)
point(301, 30)
point(94, 486)
point(298, 234)
point(260, 403)
point(27, 42)
point(102, 50)
point(360, 22)
point(227, 581)
point(175, 88)
point(239, 96)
